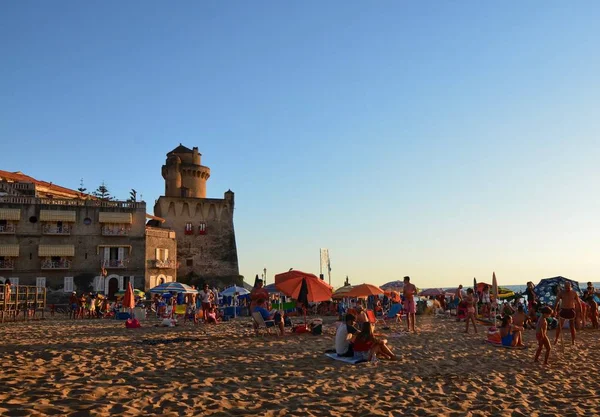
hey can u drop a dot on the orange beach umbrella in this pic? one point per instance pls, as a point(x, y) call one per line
point(364, 290)
point(290, 283)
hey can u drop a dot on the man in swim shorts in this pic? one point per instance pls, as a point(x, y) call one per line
point(409, 304)
point(568, 300)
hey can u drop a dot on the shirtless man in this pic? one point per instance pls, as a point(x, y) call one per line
point(410, 305)
point(569, 308)
point(459, 293)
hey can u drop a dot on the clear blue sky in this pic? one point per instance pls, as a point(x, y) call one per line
point(440, 140)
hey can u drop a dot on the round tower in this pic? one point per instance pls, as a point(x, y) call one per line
point(183, 173)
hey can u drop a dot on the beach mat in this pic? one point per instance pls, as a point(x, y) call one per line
point(351, 361)
point(505, 347)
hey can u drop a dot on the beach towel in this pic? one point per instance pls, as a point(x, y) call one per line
point(495, 344)
point(351, 361)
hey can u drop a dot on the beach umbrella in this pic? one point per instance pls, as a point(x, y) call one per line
point(548, 288)
point(136, 293)
point(230, 291)
point(494, 286)
point(364, 290)
point(504, 293)
point(341, 292)
point(432, 292)
point(397, 286)
point(177, 287)
point(290, 283)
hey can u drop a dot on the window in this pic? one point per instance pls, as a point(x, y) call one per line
point(189, 262)
point(68, 286)
point(189, 229)
point(14, 280)
point(40, 282)
point(202, 228)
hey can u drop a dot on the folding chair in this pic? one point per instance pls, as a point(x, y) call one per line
point(262, 324)
point(394, 313)
point(373, 319)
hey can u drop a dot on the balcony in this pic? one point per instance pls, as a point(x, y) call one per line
point(115, 263)
point(60, 264)
point(53, 229)
point(7, 229)
point(7, 264)
point(116, 230)
point(168, 263)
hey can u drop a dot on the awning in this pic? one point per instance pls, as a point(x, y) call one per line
point(10, 214)
point(110, 217)
point(56, 250)
point(9, 250)
point(150, 216)
point(57, 216)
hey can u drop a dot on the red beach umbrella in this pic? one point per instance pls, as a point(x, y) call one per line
point(290, 284)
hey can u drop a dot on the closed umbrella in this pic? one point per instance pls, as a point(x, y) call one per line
point(495, 293)
point(128, 299)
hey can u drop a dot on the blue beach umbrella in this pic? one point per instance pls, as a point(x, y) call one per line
point(548, 288)
point(230, 292)
point(177, 287)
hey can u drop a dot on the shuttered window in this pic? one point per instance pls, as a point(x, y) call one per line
point(68, 287)
point(40, 282)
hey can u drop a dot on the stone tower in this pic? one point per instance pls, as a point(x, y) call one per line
point(206, 247)
point(183, 173)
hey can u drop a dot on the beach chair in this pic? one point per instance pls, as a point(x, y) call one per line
point(373, 319)
point(394, 314)
point(262, 324)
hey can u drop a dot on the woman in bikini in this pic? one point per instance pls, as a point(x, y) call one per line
point(471, 302)
point(366, 345)
point(510, 334)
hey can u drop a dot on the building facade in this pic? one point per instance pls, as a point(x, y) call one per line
point(70, 241)
point(206, 246)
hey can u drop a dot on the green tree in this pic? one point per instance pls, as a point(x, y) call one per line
point(81, 188)
point(102, 193)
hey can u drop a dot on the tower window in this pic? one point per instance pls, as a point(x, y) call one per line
point(189, 229)
point(202, 228)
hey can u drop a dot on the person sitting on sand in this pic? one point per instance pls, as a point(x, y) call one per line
point(366, 346)
point(344, 337)
point(568, 300)
point(593, 312)
point(541, 334)
point(212, 316)
point(533, 315)
point(520, 318)
point(470, 300)
point(509, 333)
point(270, 320)
point(361, 316)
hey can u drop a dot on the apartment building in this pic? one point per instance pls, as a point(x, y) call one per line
point(64, 240)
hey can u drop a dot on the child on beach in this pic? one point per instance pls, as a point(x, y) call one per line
point(542, 335)
point(510, 334)
point(471, 302)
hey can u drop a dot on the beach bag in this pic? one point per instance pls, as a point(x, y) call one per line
point(132, 324)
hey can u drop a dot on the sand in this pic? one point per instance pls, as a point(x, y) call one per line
point(97, 368)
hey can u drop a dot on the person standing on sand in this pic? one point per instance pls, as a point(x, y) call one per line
point(410, 305)
point(568, 300)
point(459, 294)
point(206, 297)
point(530, 295)
point(542, 335)
point(471, 302)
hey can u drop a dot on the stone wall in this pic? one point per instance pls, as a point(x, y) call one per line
point(208, 251)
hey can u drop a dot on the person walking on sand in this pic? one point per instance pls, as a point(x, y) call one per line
point(471, 302)
point(206, 298)
point(410, 306)
point(541, 334)
point(568, 300)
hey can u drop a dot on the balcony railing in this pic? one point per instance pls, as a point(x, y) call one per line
point(52, 229)
point(169, 263)
point(115, 263)
point(61, 264)
point(7, 228)
point(7, 264)
point(115, 230)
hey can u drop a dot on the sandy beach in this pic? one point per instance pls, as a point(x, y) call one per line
point(61, 367)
